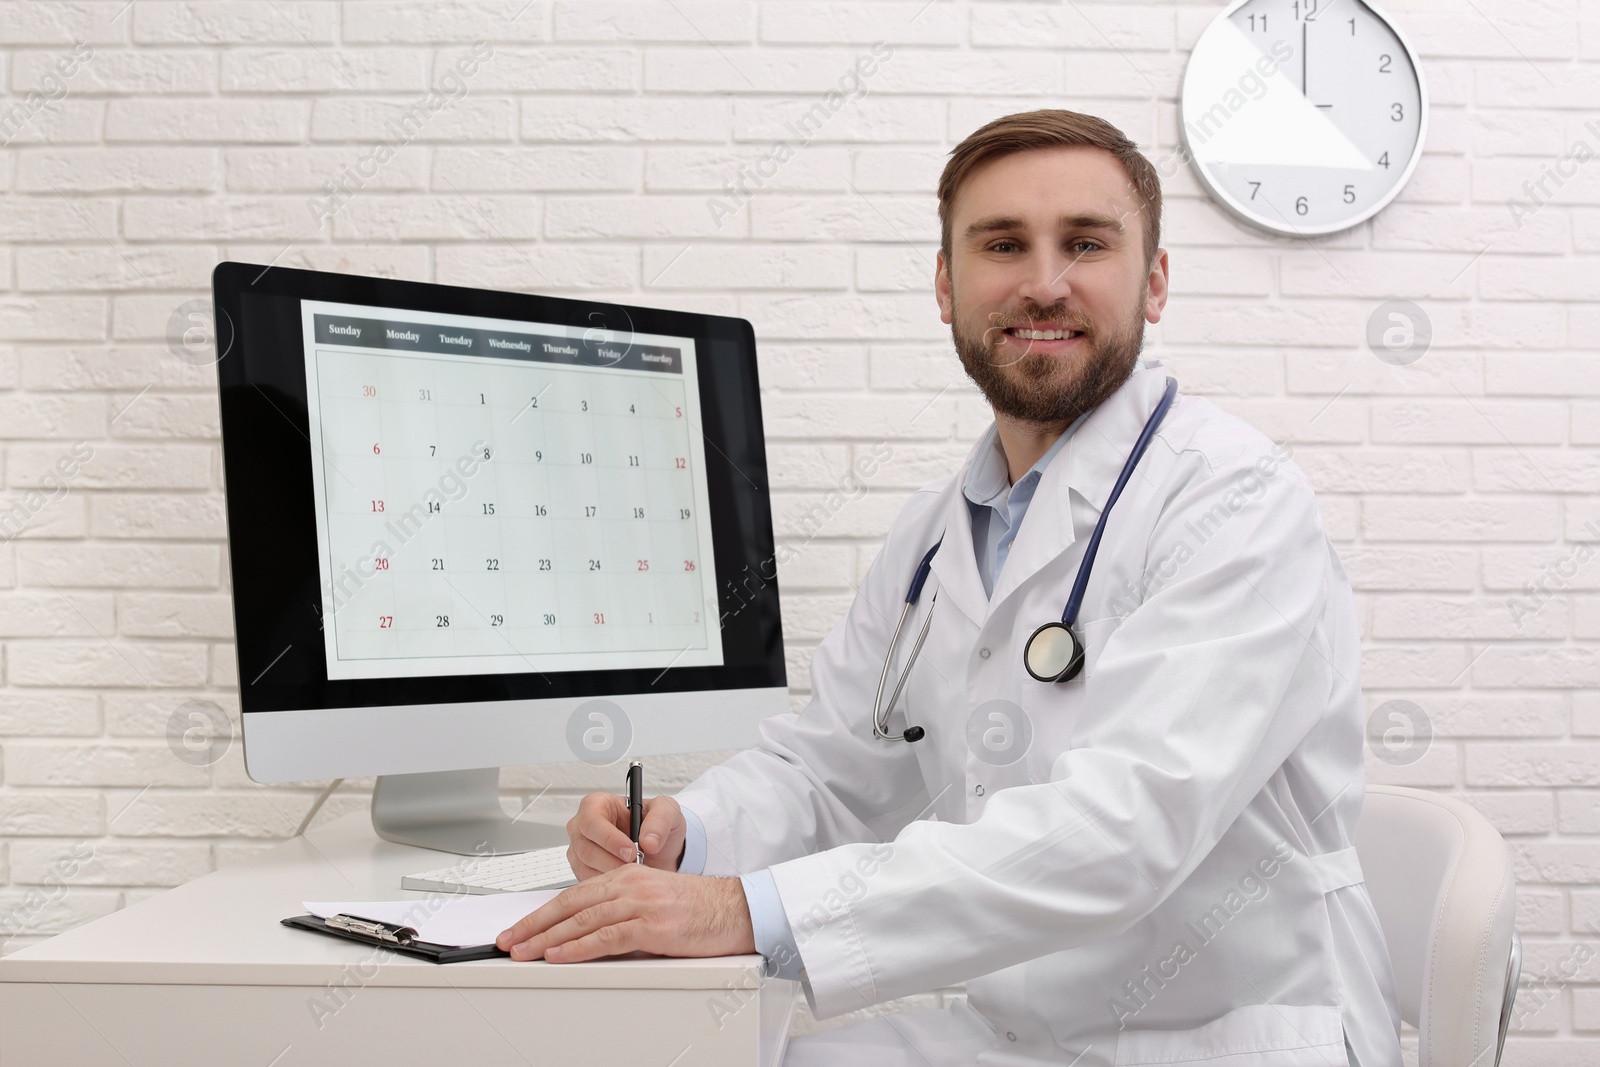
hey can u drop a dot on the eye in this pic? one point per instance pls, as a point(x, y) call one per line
point(1003, 241)
point(1092, 245)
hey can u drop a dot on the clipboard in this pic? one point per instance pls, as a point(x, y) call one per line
point(398, 938)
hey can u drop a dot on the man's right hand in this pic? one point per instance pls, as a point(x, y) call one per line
point(599, 834)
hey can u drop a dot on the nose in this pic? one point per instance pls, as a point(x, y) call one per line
point(1047, 279)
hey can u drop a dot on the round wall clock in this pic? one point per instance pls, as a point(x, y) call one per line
point(1303, 116)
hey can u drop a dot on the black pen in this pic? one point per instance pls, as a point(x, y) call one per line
point(635, 806)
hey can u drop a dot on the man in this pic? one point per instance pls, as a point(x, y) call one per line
point(1149, 863)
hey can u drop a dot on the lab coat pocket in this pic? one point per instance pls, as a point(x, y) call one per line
point(1256, 1035)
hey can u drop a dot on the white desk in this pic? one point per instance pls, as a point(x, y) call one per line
point(203, 974)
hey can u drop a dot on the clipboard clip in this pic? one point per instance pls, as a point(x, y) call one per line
point(382, 931)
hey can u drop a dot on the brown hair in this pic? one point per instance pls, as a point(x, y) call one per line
point(1049, 128)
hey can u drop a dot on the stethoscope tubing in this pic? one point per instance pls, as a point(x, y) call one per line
point(1069, 615)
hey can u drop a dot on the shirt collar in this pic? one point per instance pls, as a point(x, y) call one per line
point(988, 476)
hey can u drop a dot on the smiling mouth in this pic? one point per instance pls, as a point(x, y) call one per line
point(1025, 333)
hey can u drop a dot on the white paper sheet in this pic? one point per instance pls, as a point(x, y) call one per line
point(454, 920)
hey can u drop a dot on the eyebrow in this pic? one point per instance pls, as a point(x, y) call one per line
point(1087, 221)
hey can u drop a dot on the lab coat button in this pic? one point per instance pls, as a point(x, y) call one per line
point(983, 653)
point(979, 789)
point(1010, 1036)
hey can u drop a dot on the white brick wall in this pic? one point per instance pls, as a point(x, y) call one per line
point(623, 150)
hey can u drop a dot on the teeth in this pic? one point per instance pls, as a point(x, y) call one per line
point(1042, 335)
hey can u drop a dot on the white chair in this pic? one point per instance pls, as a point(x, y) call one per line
point(1440, 878)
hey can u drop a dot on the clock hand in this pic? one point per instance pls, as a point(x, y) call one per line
point(1305, 59)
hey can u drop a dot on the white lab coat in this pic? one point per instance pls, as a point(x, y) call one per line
point(1166, 874)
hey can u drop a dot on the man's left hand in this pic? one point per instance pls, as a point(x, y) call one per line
point(635, 908)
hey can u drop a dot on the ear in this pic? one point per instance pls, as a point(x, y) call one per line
point(941, 287)
point(1158, 287)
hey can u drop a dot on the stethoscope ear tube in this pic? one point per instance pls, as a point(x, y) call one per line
point(880, 710)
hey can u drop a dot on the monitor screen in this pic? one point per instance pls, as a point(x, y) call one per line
point(489, 500)
point(443, 499)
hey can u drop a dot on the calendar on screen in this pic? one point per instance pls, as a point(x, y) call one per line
point(499, 497)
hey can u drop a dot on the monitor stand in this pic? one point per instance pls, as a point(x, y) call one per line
point(454, 811)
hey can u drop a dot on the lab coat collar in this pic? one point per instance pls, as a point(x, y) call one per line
point(1071, 493)
point(1078, 482)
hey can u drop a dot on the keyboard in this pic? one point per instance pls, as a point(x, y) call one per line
point(544, 868)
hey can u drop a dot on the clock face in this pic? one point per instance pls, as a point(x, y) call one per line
point(1303, 116)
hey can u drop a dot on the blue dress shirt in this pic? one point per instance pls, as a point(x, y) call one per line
point(997, 508)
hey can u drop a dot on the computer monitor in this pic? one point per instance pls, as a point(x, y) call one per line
point(472, 529)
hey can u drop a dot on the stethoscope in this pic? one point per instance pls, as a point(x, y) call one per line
point(1054, 652)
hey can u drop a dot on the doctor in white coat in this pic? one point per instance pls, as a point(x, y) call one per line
point(1147, 863)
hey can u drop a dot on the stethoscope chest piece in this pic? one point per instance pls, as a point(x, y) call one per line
point(1053, 653)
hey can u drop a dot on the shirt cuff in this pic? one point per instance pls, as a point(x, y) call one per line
point(694, 845)
point(774, 936)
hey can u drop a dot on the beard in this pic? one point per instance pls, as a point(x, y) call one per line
point(1045, 388)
